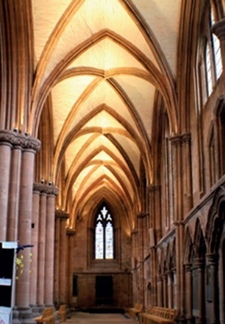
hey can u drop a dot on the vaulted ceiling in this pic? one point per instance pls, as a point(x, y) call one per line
point(103, 62)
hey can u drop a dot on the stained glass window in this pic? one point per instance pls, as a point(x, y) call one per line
point(104, 235)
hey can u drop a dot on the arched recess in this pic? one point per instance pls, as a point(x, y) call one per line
point(215, 222)
point(188, 265)
point(220, 132)
point(171, 274)
point(198, 274)
point(215, 236)
point(92, 261)
point(199, 242)
point(188, 247)
point(162, 163)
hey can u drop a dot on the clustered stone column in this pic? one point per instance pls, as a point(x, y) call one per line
point(50, 234)
point(188, 291)
point(61, 261)
point(159, 291)
point(199, 263)
point(7, 138)
point(140, 220)
point(219, 30)
point(14, 190)
point(213, 262)
point(179, 173)
point(170, 288)
point(134, 265)
point(43, 226)
point(154, 236)
point(70, 236)
point(41, 248)
point(17, 152)
point(34, 241)
point(165, 290)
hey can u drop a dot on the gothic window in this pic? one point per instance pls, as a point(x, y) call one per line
point(217, 56)
point(212, 157)
point(216, 52)
point(212, 54)
point(104, 234)
point(221, 136)
point(209, 75)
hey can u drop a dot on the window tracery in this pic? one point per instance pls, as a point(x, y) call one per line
point(104, 235)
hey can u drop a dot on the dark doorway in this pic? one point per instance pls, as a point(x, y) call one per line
point(104, 290)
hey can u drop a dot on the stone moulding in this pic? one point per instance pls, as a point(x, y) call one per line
point(24, 141)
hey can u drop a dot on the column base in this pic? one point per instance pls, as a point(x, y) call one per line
point(181, 319)
point(200, 321)
point(190, 320)
point(23, 315)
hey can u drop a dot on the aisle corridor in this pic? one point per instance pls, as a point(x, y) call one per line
point(88, 318)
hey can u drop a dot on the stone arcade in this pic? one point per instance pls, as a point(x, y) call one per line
point(112, 154)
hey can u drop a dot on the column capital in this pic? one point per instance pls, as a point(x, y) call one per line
point(70, 231)
point(24, 141)
point(219, 29)
point(178, 223)
point(44, 188)
point(212, 258)
point(142, 215)
point(59, 213)
point(199, 262)
point(134, 231)
point(153, 188)
point(176, 139)
point(159, 278)
point(188, 267)
point(180, 138)
point(186, 137)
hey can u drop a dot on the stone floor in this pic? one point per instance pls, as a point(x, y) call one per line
point(88, 318)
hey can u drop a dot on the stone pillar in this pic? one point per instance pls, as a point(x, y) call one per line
point(213, 260)
point(159, 291)
point(155, 210)
point(188, 292)
point(165, 290)
point(140, 219)
point(5, 164)
point(67, 287)
point(133, 265)
point(219, 30)
point(187, 176)
point(145, 236)
point(34, 242)
point(57, 258)
point(30, 147)
point(174, 288)
point(170, 289)
point(70, 235)
point(63, 257)
point(52, 191)
point(201, 293)
point(178, 200)
point(14, 192)
point(42, 247)
point(153, 276)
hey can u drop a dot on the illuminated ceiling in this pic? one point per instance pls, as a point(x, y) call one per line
point(103, 61)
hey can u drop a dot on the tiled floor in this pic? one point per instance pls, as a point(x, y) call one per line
point(88, 318)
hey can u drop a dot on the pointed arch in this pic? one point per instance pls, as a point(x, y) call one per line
point(216, 220)
point(199, 241)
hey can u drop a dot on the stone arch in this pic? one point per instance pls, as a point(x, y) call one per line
point(199, 241)
point(215, 222)
point(159, 261)
point(188, 246)
point(170, 256)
